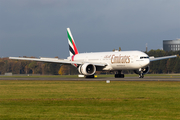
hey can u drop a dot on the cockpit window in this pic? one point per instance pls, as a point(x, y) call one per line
point(144, 57)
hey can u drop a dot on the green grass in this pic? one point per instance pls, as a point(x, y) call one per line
point(89, 100)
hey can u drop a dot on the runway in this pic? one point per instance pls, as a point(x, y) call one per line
point(95, 79)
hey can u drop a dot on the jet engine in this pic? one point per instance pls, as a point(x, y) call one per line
point(142, 70)
point(87, 69)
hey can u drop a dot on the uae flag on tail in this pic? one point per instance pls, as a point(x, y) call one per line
point(72, 46)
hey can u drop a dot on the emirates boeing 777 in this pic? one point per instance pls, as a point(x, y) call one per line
point(88, 63)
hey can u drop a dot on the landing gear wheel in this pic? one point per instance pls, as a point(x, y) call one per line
point(141, 76)
point(89, 76)
point(119, 75)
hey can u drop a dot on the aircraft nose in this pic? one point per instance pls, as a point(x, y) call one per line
point(148, 61)
point(145, 63)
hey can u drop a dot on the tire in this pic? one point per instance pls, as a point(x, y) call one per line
point(90, 76)
point(119, 75)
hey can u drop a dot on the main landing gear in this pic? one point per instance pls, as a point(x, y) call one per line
point(89, 76)
point(119, 75)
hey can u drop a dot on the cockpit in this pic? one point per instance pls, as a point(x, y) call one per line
point(147, 57)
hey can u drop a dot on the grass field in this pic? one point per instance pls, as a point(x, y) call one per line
point(126, 100)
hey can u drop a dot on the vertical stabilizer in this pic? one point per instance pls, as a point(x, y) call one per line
point(72, 46)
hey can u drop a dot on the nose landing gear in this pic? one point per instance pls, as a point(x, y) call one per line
point(141, 75)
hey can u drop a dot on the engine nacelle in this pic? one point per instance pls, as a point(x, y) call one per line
point(144, 70)
point(87, 69)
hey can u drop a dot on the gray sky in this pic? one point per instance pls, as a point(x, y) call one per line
point(38, 27)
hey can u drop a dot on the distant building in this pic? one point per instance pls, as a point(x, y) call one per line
point(171, 45)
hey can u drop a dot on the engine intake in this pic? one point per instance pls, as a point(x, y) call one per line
point(87, 69)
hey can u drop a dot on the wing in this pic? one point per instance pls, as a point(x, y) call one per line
point(56, 60)
point(161, 58)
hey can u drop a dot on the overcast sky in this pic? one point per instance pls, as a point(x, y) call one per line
point(38, 27)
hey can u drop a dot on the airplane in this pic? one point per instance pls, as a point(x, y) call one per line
point(117, 61)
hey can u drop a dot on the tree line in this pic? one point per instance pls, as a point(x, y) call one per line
point(167, 65)
point(32, 67)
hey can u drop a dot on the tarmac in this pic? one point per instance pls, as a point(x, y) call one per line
point(158, 78)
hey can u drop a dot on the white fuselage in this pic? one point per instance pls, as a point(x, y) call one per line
point(118, 60)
